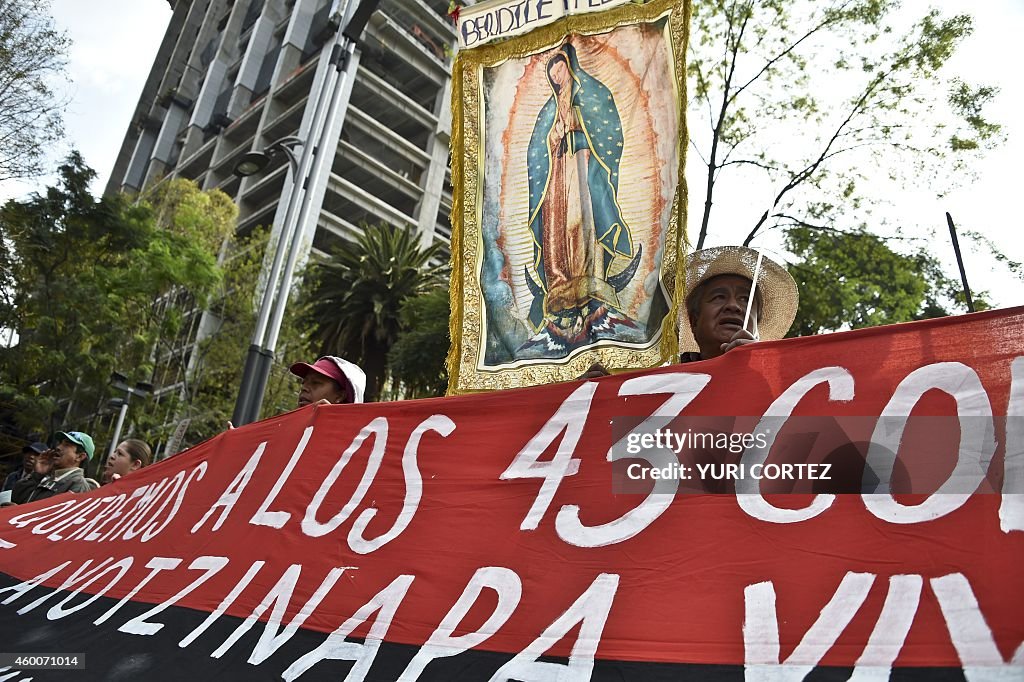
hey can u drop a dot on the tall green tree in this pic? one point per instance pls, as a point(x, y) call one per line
point(210, 389)
point(849, 280)
point(354, 308)
point(829, 104)
point(33, 54)
point(94, 285)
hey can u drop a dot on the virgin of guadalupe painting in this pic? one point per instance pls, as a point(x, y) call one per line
point(570, 227)
point(577, 226)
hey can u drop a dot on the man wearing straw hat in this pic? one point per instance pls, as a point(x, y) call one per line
point(722, 312)
point(719, 314)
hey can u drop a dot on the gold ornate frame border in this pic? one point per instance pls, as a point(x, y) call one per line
point(466, 324)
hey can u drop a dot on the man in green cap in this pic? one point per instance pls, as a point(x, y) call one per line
point(59, 470)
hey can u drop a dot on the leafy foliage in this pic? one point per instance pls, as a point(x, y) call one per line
point(849, 91)
point(32, 55)
point(854, 280)
point(354, 307)
point(417, 360)
point(97, 285)
point(209, 390)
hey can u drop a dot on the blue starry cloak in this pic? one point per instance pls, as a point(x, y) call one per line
point(601, 133)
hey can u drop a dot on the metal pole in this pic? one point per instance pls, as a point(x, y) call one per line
point(339, 57)
point(254, 374)
point(261, 374)
point(117, 429)
point(294, 199)
point(960, 262)
point(245, 389)
point(269, 292)
point(321, 162)
point(320, 157)
point(323, 157)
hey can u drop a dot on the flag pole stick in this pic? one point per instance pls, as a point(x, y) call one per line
point(960, 262)
point(753, 287)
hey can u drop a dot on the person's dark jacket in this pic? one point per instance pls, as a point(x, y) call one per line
point(39, 487)
point(13, 478)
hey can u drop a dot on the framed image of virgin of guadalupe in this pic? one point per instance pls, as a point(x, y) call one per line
point(569, 198)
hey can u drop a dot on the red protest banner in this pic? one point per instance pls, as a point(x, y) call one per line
point(479, 537)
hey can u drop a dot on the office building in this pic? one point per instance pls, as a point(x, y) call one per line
point(233, 76)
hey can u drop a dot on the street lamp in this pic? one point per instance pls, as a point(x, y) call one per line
point(261, 354)
point(120, 382)
point(252, 163)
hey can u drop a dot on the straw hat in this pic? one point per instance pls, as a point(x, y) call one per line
point(775, 287)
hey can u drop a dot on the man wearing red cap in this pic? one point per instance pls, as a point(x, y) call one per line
point(330, 380)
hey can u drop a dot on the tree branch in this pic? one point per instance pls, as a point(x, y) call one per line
point(732, 51)
point(825, 154)
point(789, 50)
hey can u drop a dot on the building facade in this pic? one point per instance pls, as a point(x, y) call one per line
point(234, 76)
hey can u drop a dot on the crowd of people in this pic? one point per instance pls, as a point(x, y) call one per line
point(47, 471)
point(719, 316)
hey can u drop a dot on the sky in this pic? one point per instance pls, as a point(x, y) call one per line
point(985, 205)
point(988, 203)
point(115, 42)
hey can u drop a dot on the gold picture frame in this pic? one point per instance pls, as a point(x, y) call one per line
point(658, 29)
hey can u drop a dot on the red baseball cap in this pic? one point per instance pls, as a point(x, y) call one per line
point(347, 375)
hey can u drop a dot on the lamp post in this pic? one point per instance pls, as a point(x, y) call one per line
point(308, 171)
point(258, 356)
point(120, 382)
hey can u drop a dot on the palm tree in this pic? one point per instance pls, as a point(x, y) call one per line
point(359, 291)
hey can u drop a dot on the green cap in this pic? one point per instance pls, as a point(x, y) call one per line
point(78, 438)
